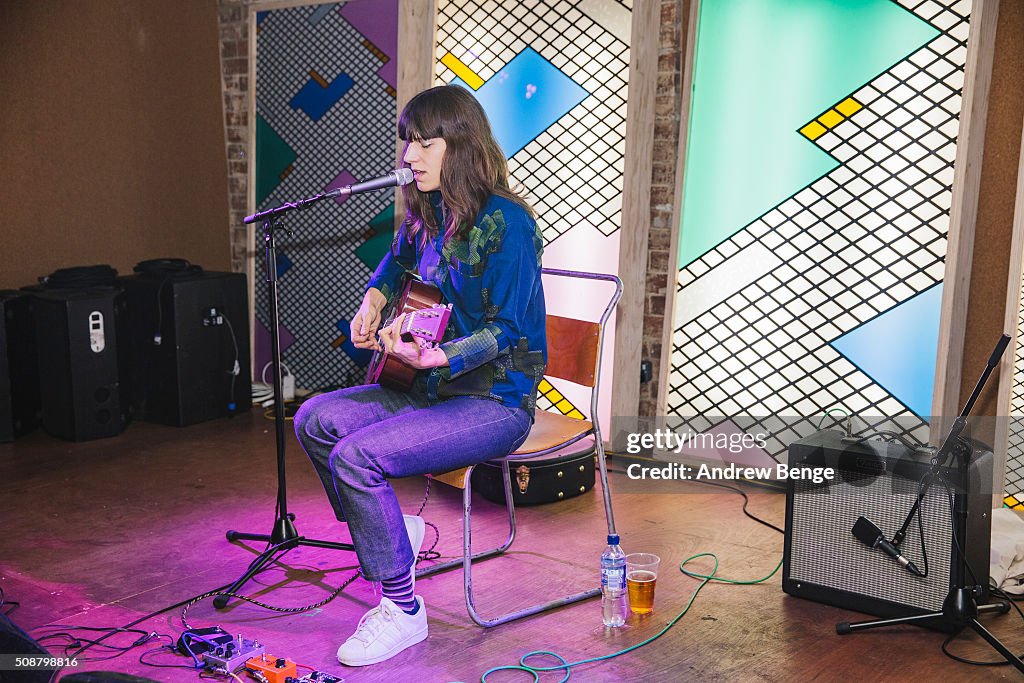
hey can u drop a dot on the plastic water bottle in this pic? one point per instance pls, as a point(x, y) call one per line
point(614, 599)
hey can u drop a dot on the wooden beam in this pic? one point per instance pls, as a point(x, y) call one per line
point(417, 31)
point(963, 214)
point(636, 207)
point(1011, 325)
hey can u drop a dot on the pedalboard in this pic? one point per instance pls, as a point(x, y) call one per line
point(220, 652)
point(232, 655)
point(199, 640)
point(270, 669)
point(317, 677)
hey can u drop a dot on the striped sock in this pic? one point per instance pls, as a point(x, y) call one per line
point(399, 591)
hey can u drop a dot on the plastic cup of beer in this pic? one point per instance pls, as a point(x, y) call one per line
point(641, 575)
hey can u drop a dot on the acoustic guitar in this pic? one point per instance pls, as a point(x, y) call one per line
point(425, 320)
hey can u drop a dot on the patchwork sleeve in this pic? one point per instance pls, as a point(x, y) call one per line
point(509, 279)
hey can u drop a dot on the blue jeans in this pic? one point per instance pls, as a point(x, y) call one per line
point(360, 436)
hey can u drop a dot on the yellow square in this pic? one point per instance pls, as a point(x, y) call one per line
point(849, 107)
point(564, 406)
point(830, 118)
point(813, 130)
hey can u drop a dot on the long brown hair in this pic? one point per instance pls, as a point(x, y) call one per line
point(473, 167)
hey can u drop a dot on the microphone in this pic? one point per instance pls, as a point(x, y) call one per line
point(871, 536)
point(400, 176)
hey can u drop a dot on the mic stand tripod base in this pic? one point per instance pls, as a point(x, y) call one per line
point(283, 538)
point(960, 609)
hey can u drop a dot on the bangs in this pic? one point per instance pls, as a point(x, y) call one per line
point(421, 121)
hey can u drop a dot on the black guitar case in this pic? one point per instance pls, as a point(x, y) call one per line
point(566, 473)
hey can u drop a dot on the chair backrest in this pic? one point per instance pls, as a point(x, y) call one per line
point(573, 348)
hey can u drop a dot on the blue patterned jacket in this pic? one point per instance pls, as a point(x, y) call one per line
point(496, 344)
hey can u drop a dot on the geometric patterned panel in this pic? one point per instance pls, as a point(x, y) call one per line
point(762, 69)
point(572, 169)
point(1014, 483)
point(550, 398)
point(324, 88)
point(552, 76)
point(852, 244)
point(525, 100)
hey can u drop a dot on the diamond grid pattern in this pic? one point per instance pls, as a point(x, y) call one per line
point(1014, 483)
point(326, 280)
point(574, 170)
point(852, 244)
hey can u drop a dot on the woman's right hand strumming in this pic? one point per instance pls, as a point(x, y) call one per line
point(367, 319)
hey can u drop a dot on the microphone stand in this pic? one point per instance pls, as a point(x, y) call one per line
point(284, 536)
point(960, 609)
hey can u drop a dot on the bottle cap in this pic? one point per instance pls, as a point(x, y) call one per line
point(613, 539)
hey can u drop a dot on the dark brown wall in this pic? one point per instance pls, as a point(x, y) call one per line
point(111, 135)
point(994, 229)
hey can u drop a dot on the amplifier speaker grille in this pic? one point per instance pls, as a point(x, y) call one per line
point(825, 562)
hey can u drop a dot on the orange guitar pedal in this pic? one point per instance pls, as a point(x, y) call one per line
point(271, 669)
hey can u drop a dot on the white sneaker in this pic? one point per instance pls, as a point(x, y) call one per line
point(416, 529)
point(382, 633)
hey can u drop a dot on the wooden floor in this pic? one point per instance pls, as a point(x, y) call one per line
point(104, 532)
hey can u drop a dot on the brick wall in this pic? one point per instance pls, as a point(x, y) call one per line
point(234, 61)
point(668, 97)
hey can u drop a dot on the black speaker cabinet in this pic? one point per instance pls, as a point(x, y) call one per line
point(20, 409)
point(201, 320)
point(79, 368)
point(823, 561)
point(14, 641)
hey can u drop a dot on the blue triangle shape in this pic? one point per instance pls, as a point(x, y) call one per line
point(898, 349)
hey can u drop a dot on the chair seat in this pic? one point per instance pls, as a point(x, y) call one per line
point(549, 431)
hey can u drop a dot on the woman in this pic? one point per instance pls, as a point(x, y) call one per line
point(469, 235)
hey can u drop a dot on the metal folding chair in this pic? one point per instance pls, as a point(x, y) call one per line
point(574, 355)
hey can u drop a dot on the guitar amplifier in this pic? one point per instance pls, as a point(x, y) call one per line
point(823, 561)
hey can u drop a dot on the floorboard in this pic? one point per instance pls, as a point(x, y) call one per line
point(102, 533)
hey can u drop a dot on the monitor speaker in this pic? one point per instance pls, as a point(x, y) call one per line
point(14, 641)
point(76, 333)
point(880, 480)
point(189, 338)
point(20, 410)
